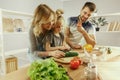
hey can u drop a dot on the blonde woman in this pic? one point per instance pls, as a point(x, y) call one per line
point(43, 20)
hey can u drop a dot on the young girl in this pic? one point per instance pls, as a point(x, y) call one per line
point(56, 40)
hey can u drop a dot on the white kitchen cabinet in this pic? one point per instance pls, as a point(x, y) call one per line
point(109, 36)
point(113, 20)
point(14, 27)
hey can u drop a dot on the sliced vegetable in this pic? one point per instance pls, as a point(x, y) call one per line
point(71, 54)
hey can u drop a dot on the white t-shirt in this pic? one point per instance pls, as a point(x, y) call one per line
point(76, 37)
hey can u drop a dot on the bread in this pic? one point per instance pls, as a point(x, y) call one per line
point(8, 25)
point(19, 25)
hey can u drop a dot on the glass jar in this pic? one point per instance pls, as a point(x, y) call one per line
point(103, 51)
point(90, 72)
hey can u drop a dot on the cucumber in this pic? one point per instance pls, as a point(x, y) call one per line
point(71, 54)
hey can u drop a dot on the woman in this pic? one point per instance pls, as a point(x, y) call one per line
point(42, 23)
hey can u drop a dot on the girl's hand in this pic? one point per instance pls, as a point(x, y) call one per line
point(67, 47)
point(77, 46)
point(62, 48)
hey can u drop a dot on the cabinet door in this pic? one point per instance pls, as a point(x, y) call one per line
point(2, 57)
point(14, 27)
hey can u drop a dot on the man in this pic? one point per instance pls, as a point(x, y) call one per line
point(79, 30)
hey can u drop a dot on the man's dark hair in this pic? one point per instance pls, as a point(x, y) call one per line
point(90, 5)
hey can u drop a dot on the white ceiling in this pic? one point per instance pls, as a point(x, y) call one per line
point(65, 0)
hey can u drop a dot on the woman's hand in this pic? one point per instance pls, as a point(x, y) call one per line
point(57, 54)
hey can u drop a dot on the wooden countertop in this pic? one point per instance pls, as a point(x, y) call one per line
point(20, 74)
point(108, 70)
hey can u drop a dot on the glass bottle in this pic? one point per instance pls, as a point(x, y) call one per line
point(103, 51)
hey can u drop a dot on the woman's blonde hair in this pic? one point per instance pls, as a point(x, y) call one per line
point(42, 15)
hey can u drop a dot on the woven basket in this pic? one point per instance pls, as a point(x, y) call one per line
point(11, 64)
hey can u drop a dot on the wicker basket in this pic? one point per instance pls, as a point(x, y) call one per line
point(11, 64)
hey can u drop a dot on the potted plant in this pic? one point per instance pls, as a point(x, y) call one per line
point(98, 22)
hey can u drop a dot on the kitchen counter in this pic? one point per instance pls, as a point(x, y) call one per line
point(20, 74)
point(108, 70)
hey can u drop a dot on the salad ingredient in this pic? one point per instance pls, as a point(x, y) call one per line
point(74, 64)
point(88, 47)
point(71, 54)
point(47, 70)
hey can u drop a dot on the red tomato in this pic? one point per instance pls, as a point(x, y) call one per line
point(74, 64)
point(77, 58)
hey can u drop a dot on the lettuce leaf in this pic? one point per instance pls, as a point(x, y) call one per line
point(47, 70)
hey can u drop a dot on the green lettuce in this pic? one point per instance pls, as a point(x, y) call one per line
point(47, 70)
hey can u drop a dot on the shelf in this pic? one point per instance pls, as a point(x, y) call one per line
point(14, 33)
point(107, 15)
point(11, 41)
point(16, 13)
point(16, 51)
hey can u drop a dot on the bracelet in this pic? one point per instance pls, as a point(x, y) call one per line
point(49, 54)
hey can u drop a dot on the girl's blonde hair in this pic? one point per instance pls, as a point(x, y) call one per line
point(60, 20)
point(42, 15)
point(59, 12)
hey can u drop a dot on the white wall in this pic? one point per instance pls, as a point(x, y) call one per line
point(108, 38)
point(73, 7)
point(28, 5)
point(20, 41)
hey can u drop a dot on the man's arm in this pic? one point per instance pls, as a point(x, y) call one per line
point(90, 39)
